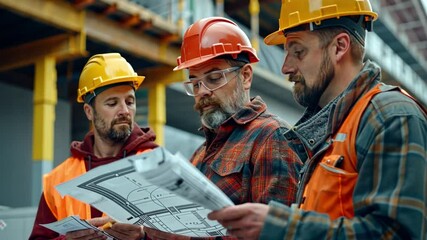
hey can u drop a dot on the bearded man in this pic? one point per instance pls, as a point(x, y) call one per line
point(245, 153)
point(107, 88)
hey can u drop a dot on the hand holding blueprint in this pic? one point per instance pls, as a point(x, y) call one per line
point(155, 189)
point(73, 223)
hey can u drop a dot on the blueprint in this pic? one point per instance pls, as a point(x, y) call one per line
point(73, 223)
point(120, 190)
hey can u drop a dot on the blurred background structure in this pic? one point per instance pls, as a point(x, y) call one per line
point(45, 43)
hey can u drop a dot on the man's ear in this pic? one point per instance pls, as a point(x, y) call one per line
point(247, 74)
point(88, 111)
point(342, 45)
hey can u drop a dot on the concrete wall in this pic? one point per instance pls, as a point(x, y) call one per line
point(16, 128)
point(16, 223)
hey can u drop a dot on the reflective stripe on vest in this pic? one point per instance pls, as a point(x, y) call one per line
point(62, 207)
point(330, 188)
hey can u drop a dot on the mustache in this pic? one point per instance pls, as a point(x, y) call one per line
point(122, 119)
point(205, 102)
point(296, 78)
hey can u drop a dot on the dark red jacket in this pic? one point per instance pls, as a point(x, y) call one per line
point(139, 140)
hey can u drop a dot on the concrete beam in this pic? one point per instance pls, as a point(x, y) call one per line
point(61, 47)
point(57, 13)
point(164, 75)
point(139, 44)
point(143, 14)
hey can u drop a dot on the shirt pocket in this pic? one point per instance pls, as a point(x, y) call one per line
point(230, 178)
point(224, 166)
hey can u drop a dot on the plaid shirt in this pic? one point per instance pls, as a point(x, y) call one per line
point(390, 196)
point(248, 158)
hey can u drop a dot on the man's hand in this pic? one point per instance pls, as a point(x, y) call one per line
point(89, 233)
point(125, 231)
point(100, 221)
point(120, 231)
point(242, 221)
point(155, 234)
point(84, 235)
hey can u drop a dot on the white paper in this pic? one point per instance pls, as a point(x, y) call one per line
point(175, 174)
point(133, 190)
point(73, 223)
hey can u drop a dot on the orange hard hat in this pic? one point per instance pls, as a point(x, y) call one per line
point(211, 37)
point(103, 70)
point(320, 14)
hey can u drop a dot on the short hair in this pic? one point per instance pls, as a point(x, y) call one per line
point(327, 34)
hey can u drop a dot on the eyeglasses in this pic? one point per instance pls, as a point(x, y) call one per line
point(211, 81)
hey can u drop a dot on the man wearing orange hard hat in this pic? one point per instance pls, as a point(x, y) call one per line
point(363, 143)
point(107, 88)
point(244, 153)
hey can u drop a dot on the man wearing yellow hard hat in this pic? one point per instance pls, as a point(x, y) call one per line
point(107, 88)
point(363, 143)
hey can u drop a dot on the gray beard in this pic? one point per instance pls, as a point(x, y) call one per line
point(214, 119)
point(237, 101)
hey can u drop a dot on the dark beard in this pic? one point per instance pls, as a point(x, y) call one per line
point(120, 135)
point(310, 96)
point(110, 133)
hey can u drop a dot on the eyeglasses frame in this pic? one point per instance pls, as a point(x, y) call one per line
point(200, 80)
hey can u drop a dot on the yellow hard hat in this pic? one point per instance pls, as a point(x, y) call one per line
point(316, 12)
point(106, 69)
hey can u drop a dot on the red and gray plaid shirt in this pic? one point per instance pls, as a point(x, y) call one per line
point(248, 158)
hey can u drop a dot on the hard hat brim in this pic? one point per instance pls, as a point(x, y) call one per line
point(137, 81)
point(253, 58)
point(275, 38)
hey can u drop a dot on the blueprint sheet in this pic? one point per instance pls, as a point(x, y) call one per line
point(120, 191)
point(73, 223)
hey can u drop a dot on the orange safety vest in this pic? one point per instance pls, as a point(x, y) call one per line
point(330, 188)
point(62, 207)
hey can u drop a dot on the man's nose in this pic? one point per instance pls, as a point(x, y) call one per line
point(203, 90)
point(288, 67)
point(124, 108)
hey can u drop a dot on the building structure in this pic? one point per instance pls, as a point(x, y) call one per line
point(44, 45)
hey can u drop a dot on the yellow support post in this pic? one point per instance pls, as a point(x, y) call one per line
point(156, 80)
point(45, 99)
point(157, 110)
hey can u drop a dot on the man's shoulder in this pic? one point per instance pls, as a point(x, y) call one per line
point(65, 166)
point(394, 103)
point(273, 121)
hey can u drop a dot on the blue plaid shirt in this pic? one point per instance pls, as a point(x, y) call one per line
point(390, 196)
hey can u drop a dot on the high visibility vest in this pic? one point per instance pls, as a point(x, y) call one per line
point(62, 207)
point(330, 188)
